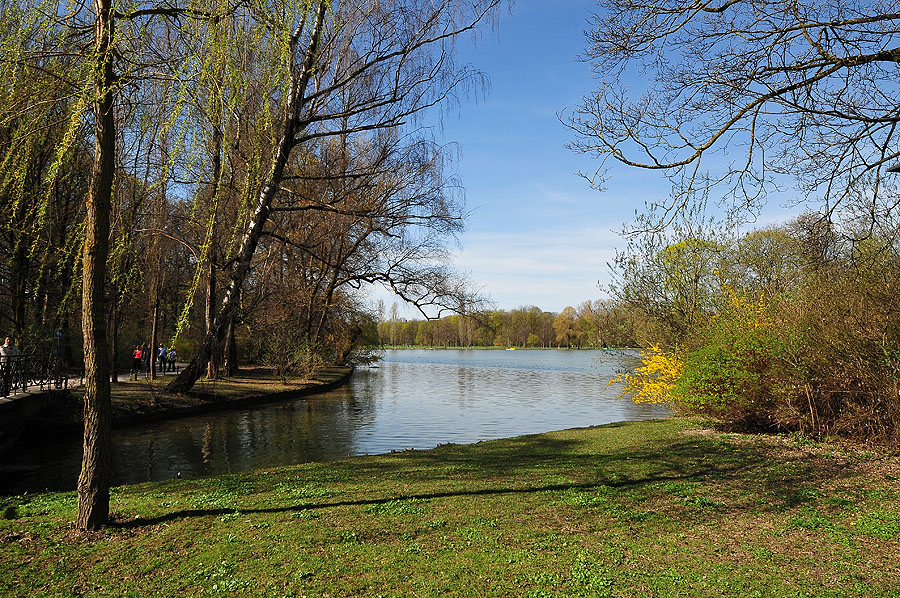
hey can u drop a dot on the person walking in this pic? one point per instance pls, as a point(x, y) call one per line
point(8, 351)
point(136, 360)
point(161, 355)
point(172, 357)
point(8, 355)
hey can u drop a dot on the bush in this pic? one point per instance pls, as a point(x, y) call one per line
point(654, 382)
point(288, 356)
point(738, 366)
point(851, 325)
point(811, 342)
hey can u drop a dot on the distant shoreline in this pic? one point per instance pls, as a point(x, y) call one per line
point(422, 347)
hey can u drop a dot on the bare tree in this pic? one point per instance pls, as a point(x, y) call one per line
point(352, 68)
point(804, 89)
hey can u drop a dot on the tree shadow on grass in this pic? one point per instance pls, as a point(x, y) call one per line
point(548, 463)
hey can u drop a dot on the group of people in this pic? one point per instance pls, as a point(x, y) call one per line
point(143, 355)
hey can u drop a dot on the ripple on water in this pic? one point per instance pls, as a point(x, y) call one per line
point(415, 399)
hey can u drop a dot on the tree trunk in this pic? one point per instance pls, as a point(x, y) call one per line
point(154, 333)
point(288, 130)
point(115, 323)
point(212, 371)
point(230, 352)
point(19, 285)
point(93, 483)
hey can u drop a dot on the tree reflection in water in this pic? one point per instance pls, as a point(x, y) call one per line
point(415, 399)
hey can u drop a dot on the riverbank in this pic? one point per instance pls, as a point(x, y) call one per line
point(666, 507)
point(145, 400)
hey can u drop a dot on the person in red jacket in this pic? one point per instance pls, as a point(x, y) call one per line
point(136, 362)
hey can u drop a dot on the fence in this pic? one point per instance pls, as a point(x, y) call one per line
point(24, 372)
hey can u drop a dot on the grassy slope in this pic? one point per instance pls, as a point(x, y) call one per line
point(663, 508)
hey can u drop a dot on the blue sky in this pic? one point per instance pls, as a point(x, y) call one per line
point(537, 233)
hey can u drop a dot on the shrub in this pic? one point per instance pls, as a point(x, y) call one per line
point(851, 326)
point(737, 366)
point(290, 356)
point(653, 382)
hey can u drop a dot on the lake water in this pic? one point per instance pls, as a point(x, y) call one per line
point(414, 399)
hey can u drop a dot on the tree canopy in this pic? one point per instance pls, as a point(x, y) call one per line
point(738, 93)
point(267, 153)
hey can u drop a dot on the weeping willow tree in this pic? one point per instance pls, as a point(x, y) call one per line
point(68, 70)
point(44, 174)
point(72, 90)
point(216, 106)
point(349, 69)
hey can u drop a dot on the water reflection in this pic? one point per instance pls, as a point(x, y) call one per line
point(415, 399)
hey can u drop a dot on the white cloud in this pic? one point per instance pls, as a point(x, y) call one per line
point(549, 268)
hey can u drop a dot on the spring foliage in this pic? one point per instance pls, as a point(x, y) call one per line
point(655, 381)
point(733, 367)
point(804, 338)
point(736, 365)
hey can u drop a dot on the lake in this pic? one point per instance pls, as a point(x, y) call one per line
point(414, 399)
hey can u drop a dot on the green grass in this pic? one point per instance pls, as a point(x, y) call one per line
point(663, 508)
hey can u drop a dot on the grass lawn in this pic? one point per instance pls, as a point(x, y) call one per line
point(662, 508)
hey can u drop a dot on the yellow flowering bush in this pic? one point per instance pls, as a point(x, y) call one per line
point(731, 367)
point(654, 381)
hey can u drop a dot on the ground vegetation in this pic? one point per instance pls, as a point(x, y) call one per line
point(665, 508)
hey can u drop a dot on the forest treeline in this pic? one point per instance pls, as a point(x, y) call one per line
point(593, 324)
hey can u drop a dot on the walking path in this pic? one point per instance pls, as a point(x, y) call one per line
point(143, 374)
point(142, 401)
point(73, 382)
point(21, 406)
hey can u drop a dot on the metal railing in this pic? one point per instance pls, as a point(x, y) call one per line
point(22, 373)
